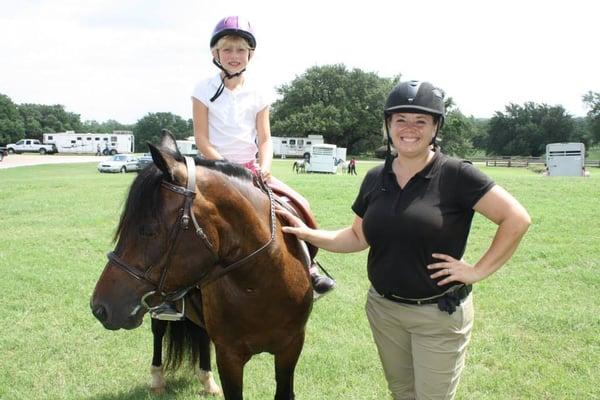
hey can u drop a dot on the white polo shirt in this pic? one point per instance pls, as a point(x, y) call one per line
point(232, 117)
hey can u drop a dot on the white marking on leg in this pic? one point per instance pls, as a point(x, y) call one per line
point(208, 382)
point(158, 379)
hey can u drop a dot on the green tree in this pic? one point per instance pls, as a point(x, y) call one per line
point(105, 127)
point(525, 130)
point(11, 124)
point(39, 119)
point(480, 135)
point(148, 129)
point(345, 106)
point(592, 101)
point(455, 137)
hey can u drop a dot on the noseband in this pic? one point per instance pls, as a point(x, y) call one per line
point(182, 223)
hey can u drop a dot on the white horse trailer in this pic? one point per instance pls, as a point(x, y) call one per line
point(294, 146)
point(105, 143)
point(323, 158)
point(565, 159)
point(340, 153)
point(187, 147)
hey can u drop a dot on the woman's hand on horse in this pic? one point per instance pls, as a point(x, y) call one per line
point(296, 227)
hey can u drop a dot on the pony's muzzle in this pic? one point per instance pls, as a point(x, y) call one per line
point(99, 312)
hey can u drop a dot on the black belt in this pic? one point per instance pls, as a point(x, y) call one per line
point(456, 295)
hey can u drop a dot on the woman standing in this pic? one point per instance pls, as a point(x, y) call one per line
point(414, 214)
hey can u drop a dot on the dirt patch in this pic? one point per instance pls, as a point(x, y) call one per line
point(21, 160)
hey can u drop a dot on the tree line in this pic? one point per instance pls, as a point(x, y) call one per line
point(346, 107)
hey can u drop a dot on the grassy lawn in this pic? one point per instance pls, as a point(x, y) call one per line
point(536, 334)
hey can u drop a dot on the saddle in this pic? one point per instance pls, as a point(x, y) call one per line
point(288, 199)
point(297, 205)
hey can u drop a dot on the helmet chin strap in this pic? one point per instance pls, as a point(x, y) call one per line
point(437, 130)
point(226, 76)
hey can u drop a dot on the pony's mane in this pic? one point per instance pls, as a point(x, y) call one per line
point(226, 167)
point(144, 201)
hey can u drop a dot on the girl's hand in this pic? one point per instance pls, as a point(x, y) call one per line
point(265, 175)
point(452, 270)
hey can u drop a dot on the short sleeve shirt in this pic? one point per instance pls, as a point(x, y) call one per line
point(404, 226)
point(232, 117)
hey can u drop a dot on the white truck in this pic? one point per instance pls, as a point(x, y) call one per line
point(30, 146)
point(104, 143)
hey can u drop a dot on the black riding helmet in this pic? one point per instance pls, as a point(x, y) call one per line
point(416, 97)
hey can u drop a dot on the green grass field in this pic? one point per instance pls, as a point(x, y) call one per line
point(536, 334)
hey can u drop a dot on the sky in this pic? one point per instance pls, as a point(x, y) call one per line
point(123, 59)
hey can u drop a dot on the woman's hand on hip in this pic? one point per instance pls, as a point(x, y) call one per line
point(452, 270)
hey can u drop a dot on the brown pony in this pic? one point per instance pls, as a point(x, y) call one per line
point(191, 224)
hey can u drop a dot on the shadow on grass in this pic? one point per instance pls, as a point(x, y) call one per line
point(175, 388)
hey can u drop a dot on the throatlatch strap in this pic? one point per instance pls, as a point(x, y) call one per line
point(221, 87)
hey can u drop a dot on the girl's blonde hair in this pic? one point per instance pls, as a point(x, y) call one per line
point(231, 40)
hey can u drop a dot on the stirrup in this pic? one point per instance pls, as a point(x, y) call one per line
point(168, 312)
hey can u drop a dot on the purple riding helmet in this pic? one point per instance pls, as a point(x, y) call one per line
point(233, 25)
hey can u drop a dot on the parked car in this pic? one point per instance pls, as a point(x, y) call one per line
point(144, 160)
point(119, 163)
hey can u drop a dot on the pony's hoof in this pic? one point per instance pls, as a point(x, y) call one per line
point(213, 392)
point(209, 385)
point(157, 390)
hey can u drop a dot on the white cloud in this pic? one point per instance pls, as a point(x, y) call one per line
point(108, 59)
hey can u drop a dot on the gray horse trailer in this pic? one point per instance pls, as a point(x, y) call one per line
point(565, 159)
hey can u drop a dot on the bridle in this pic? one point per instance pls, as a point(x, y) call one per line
point(182, 223)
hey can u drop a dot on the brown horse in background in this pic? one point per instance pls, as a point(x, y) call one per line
point(195, 223)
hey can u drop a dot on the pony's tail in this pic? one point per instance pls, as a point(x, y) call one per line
point(184, 340)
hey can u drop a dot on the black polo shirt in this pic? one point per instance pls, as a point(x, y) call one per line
point(404, 226)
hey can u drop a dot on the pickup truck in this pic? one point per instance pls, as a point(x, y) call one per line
point(30, 146)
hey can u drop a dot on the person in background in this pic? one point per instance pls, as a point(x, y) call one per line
point(352, 166)
point(414, 214)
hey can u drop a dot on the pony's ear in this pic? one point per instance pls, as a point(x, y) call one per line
point(168, 141)
point(164, 160)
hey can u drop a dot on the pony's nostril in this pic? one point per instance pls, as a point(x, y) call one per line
point(100, 313)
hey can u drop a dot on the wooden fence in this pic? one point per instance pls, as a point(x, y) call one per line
point(508, 161)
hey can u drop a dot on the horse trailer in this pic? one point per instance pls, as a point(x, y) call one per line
point(565, 159)
point(105, 143)
point(295, 146)
point(323, 158)
point(187, 147)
